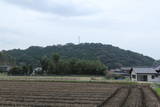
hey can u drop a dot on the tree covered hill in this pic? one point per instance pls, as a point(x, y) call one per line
point(6, 59)
point(111, 56)
point(156, 63)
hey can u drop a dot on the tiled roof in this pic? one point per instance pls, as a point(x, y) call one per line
point(144, 70)
point(157, 68)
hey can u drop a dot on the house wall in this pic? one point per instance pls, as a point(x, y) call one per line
point(4, 68)
point(133, 79)
point(156, 79)
point(149, 76)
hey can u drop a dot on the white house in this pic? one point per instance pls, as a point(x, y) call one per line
point(145, 74)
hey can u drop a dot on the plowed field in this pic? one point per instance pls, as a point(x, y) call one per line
point(61, 94)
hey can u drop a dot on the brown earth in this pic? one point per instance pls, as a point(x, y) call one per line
point(62, 94)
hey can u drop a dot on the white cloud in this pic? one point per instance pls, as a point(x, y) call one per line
point(62, 8)
point(132, 25)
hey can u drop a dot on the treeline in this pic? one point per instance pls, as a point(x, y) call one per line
point(25, 70)
point(54, 65)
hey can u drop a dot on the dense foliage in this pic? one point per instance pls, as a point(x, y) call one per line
point(57, 66)
point(21, 70)
point(6, 59)
point(156, 63)
point(111, 56)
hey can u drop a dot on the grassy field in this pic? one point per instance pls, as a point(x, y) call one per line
point(52, 78)
point(156, 87)
point(158, 91)
point(63, 79)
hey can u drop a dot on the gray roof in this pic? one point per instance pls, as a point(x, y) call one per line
point(144, 70)
point(157, 68)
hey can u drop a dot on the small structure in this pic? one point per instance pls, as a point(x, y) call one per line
point(145, 74)
point(5, 68)
point(121, 73)
point(37, 70)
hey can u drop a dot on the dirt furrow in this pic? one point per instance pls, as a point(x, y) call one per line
point(134, 99)
point(150, 98)
point(117, 99)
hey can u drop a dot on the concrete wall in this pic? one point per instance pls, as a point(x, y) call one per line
point(133, 79)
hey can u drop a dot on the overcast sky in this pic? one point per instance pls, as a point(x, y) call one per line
point(128, 24)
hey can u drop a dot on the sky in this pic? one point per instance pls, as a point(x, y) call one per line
point(129, 24)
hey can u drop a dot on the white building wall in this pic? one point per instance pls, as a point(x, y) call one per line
point(133, 79)
point(149, 76)
point(156, 79)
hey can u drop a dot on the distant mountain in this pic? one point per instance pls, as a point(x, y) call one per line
point(156, 63)
point(111, 56)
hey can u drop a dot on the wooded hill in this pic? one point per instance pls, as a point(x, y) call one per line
point(111, 56)
point(6, 59)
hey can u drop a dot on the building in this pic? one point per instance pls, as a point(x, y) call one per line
point(37, 71)
point(4, 68)
point(145, 74)
point(120, 73)
point(157, 68)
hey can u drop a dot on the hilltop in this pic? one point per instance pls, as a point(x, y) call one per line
point(110, 55)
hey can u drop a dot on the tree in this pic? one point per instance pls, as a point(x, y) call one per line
point(51, 68)
point(44, 62)
point(1, 58)
point(72, 65)
point(25, 69)
point(6, 59)
point(56, 58)
point(30, 69)
point(16, 71)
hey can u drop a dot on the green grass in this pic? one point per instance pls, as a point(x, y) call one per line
point(90, 79)
point(156, 87)
point(158, 91)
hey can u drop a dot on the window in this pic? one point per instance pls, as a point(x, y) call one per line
point(156, 75)
point(153, 76)
point(134, 76)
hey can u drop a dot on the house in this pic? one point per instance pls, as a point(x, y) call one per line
point(145, 74)
point(157, 68)
point(5, 68)
point(125, 69)
point(37, 71)
point(121, 73)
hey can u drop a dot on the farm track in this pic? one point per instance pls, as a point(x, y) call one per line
point(117, 99)
point(133, 96)
point(151, 99)
point(60, 94)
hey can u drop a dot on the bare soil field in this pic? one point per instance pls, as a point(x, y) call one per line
point(65, 94)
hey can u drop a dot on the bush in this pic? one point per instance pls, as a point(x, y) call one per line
point(16, 71)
